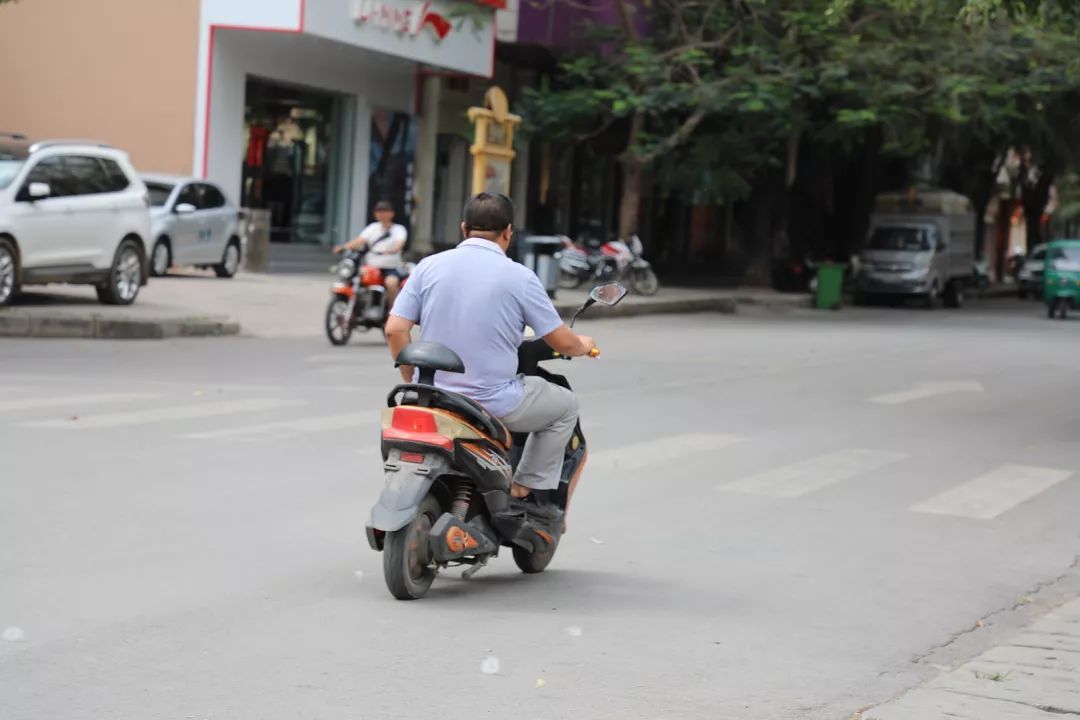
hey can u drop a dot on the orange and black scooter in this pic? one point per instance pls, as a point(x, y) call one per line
point(449, 464)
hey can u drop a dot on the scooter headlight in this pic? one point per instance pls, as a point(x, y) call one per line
point(346, 268)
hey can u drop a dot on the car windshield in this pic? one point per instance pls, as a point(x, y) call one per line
point(898, 238)
point(1039, 254)
point(11, 161)
point(159, 193)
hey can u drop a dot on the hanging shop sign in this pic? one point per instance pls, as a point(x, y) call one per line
point(407, 18)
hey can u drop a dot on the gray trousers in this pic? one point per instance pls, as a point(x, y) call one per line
point(550, 413)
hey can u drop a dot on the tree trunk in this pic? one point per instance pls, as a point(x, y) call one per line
point(1035, 195)
point(630, 201)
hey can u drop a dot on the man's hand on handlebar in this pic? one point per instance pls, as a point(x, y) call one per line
point(351, 245)
point(588, 345)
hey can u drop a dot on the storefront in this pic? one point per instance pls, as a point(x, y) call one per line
point(306, 108)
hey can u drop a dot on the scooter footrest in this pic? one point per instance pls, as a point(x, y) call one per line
point(531, 526)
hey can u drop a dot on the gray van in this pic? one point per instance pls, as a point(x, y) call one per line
point(919, 245)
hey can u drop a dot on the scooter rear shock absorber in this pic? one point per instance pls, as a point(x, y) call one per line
point(462, 499)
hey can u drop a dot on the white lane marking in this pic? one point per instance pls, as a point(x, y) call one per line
point(165, 414)
point(660, 450)
point(293, 427)
point(994, 493)
point(807, 476)
point(72, 401)
point(922, 391)
point(14, 388)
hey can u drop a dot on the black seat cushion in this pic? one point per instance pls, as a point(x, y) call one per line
point(432, 356)
point(472, 411)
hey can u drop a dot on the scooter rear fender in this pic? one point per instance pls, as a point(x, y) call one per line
point(407, 483)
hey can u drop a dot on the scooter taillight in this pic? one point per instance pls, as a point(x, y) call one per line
point(415, 425)
point(413, 420)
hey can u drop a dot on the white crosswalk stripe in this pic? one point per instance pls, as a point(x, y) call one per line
point(807, 476)
point(71, 401)
point(291, 428)
point(166, 414)
point(994, 493)
point(659, 451)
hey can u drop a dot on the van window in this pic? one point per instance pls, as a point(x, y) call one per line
point(899, 238)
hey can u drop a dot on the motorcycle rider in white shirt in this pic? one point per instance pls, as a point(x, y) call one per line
point(385, 240)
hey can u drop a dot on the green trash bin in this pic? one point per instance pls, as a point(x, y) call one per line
point(830, 286)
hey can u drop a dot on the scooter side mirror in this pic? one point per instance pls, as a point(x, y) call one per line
point(609, 294)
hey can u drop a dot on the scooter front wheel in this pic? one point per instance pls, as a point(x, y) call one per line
point(534, 562)
point(644, 281)
point(569, 280)
point(338, 324)
point(407, 565)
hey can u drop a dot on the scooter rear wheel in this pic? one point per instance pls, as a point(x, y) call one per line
point(338, 326)
point(407, 566)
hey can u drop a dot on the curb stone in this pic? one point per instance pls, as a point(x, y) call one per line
point(49, 325)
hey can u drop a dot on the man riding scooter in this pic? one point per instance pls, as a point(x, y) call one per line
point(477, 301)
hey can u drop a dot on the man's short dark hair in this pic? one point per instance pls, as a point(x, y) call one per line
point(383, 206)
point(489, 212)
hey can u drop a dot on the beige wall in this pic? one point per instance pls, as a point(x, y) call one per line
point(121, 71)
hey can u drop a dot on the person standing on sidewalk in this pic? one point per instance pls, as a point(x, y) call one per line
point(477, 301)
point(385, 241)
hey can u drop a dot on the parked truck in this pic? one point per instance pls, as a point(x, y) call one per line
point(920, 244)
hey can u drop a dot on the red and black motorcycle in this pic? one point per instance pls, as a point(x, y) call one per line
point(357, 299)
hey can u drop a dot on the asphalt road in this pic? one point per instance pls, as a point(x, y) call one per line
point(786, 516)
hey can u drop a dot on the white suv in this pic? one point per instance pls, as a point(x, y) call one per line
point(72, 212)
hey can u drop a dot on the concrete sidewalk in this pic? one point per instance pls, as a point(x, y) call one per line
point(74, 312)
point(1035, 676)
point(194, 303)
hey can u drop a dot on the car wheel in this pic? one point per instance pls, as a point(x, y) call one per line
point(954, 294)
point(230, 261)
point(161, 258)
point(9, 271)
point(125, 276)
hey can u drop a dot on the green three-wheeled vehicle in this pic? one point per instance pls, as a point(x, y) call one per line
point(1061, 278)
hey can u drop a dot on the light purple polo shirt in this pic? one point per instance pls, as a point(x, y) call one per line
point(477, 302)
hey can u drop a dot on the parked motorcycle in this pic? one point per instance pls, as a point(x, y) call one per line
point(449, 465)
point(614, 260)
point(357, 299)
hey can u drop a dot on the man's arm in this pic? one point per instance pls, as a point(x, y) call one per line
point(566, 342)
point(398, 335)
point(355, 244)
point(541, 316)
point(403, 316)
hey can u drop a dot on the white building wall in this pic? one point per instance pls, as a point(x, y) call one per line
point(360, 77)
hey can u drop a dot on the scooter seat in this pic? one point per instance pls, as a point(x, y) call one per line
point(470, 410)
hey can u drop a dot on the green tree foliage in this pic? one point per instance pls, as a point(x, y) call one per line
point(735, 89)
